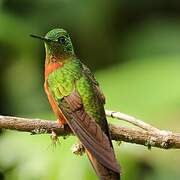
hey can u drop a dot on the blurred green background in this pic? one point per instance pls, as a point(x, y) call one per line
point(133, 47)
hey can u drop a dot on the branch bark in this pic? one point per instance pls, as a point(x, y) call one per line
point(148, 136)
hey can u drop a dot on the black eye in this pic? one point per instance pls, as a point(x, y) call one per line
point(61, 40)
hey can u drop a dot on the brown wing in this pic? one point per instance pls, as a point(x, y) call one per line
point(88, 131)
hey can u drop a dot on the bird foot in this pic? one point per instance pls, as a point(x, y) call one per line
point(78, 149)
point(60, 124)
point(54, 138)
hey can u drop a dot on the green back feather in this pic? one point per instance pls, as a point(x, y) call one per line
point(71, 77)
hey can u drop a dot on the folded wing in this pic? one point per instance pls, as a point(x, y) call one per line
point(88, 131)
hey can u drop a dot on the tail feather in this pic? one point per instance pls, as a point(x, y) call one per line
point(103, 172)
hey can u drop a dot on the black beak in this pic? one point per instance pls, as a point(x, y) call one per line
point(40, 37)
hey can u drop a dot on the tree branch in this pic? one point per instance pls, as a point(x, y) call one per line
point(132, 120)
point(149, 136)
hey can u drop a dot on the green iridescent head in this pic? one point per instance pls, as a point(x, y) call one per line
point(57, 43)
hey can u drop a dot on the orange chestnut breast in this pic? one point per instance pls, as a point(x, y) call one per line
point(49, 68)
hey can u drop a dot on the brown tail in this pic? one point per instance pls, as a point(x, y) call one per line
point(103, 172)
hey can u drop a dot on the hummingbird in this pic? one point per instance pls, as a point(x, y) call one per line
point(77, 101)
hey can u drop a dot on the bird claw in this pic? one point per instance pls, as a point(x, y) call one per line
point(60, 124)
point(54, 138)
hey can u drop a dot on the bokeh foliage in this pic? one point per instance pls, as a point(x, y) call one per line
point(134, 49)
